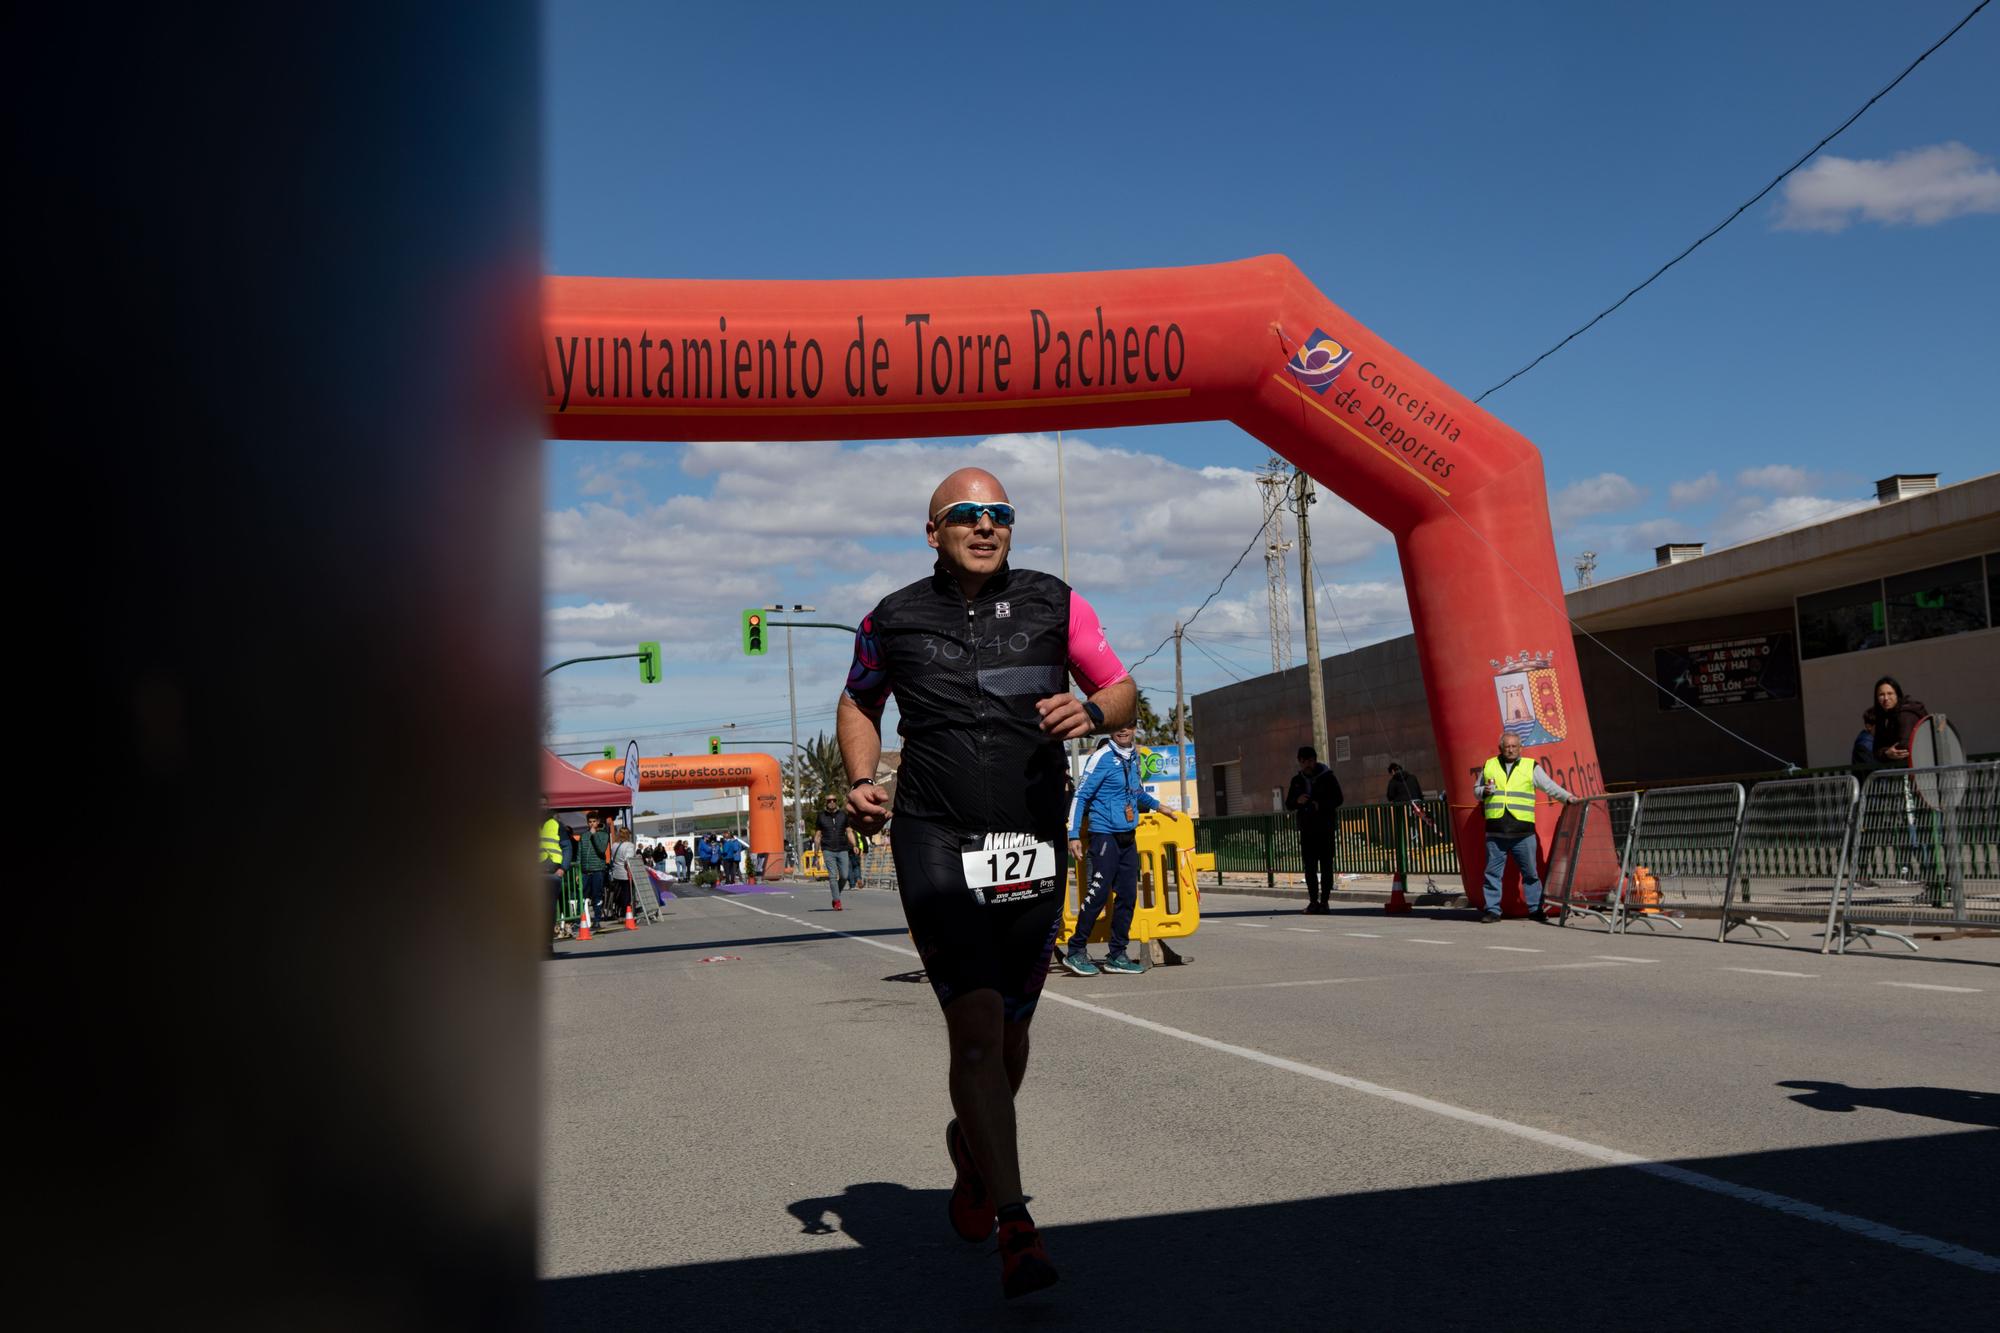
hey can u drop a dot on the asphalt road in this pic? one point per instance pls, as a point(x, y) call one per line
point(1351, 1121)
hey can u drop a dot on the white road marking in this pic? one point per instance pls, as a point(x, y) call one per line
point(1512, 948)
point(1417, 939)
point(1304, 930)
point(1163, 992)
point(1767, 972)
point(1777, 1203)
point(1250, 925)
point(1362, 935)
point(1918, 985)
point(1621, 958)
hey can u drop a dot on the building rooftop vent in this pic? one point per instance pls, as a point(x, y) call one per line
point(1673, 553)
point(1904, 485)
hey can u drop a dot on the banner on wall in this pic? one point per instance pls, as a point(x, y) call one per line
point(1728, 671)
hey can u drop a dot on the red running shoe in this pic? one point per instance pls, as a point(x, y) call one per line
point(1024, 1264)
point(969, 1208)
point(836, 905)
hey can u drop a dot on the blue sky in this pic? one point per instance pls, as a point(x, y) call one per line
point(1470, 181)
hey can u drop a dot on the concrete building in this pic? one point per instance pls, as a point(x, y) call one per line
point(1779, 640)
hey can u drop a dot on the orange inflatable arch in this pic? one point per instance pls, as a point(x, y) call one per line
point(758, 772)
point(1252, 342)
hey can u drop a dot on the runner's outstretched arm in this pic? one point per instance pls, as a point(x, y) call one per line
point(860, 750)
point(1064, 718)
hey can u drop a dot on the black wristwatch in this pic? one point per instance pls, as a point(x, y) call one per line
point(1096, 715)
point(861, 782)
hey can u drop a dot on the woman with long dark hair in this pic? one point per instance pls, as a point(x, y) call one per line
point(1892, 721)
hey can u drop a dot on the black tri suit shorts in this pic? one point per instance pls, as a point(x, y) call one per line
point(969, 939)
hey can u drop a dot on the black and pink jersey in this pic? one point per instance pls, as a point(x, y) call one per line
point(966, 676)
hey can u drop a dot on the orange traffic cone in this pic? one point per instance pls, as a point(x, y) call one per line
point(1399, 902)
point(630, 924)
point(583, 930)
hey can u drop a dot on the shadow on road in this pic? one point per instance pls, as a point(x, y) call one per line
point(1532, 1252)
point(572, 953)
point(1955, 1104)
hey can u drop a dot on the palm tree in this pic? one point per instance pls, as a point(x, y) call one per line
point(820, 771)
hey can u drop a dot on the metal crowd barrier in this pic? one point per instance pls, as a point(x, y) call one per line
point(1925, 852)
point(1590, 857)
point(1376, 838)
point(1791, 846)
point(1681, 846)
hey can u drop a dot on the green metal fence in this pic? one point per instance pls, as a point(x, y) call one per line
point(1373, 839)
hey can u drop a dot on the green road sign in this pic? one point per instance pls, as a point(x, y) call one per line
point(649, 663)
point(753, 634)
point(715, 745)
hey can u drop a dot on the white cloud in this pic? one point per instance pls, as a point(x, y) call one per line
point(1918, 187)
point(1779, 478)
point(1601, 494)
point(1704, 487)
point(575, 697)
point(1752, 517)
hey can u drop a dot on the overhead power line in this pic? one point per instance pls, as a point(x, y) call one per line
point(1255, 537)
point(1742, 208)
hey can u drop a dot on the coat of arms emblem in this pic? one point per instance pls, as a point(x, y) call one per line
point(1530, 697)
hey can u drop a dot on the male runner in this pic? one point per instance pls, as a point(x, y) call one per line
point(979, 657)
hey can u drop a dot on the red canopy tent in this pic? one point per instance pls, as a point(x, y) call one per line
point(565, 788)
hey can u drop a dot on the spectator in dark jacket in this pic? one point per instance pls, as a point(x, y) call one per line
point(1402, 787)
point(1314, 800)
point(1892, 721)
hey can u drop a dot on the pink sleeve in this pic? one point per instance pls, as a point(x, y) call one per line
point(1091, 661)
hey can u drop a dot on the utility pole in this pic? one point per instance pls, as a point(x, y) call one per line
point(1180, 717)
point(1062, 522)
point(1315, 677)
point(1276, 483)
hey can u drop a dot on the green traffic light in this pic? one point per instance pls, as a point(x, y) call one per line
point(753, 634)
point(649, 663)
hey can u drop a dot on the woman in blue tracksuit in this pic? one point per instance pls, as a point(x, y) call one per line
point(1110, 798)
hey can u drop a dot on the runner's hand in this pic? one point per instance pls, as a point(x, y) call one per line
point(868, 807)
point(1076, 849)
point(1063, 717)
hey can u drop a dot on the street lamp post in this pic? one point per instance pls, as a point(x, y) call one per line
point(792, 691)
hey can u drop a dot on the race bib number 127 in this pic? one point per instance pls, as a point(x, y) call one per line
point(1009, 867)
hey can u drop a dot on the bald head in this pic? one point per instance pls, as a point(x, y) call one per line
point(968, 483)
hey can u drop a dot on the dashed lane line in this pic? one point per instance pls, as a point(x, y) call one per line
point(1418, 939)
point(1362, 935)
point(1621, 958)
point(1766, 972)
point(1921, 985)
point(1513, 948)
point(1304, 930)
point(1778, 1203)
point(1166, 992)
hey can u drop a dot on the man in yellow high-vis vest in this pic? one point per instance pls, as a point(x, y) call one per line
point(1506, 790)
point(555, 847)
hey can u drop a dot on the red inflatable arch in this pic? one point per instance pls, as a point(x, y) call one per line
point(1252, 342)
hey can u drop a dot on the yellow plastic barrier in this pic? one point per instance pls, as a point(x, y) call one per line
point(1169, 904)
point(811, 864)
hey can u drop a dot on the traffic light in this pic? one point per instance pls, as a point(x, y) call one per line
point(715, 745)
point(649, 663)
point(610, 752)
point(753, 634)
